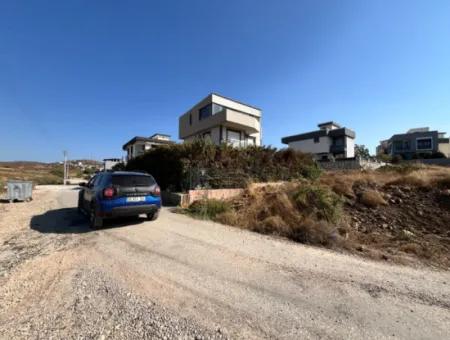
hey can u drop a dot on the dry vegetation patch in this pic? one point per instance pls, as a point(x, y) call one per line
point(372, 198)
point(400, 214)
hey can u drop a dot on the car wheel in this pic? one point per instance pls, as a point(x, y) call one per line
point(153, 216)
point(94, 220)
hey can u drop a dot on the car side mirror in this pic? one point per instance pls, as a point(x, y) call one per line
point(82, 184)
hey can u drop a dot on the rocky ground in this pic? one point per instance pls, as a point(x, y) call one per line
point(68, 297)
point(413, 224)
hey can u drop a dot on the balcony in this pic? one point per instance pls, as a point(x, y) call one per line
point(227, 117)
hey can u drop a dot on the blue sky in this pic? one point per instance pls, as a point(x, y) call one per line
point(87, 76)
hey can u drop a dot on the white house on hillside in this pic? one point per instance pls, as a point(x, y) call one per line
point(330, 141)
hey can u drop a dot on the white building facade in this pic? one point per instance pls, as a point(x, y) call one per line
point(331, 141)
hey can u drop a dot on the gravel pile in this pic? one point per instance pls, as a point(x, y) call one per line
point(104, 310)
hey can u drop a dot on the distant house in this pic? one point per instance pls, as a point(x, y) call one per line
point(416, 143)
point(330, 141)
point(139, 145)
point(108, 163)
point(222, 120)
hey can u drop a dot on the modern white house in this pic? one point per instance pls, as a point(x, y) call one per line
point(331, 141)
point(222, 120)
point(139, 145)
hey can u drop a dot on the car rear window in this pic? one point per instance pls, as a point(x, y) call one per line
point(133, 181)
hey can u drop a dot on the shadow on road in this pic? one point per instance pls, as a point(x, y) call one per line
point(69, 221)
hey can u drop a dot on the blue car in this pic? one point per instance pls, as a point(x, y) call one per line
point(119, 193)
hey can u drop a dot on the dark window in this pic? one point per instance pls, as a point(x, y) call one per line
point(406, 145)
point(424, 144)
point(398, 145)
point(133, 180)
point(316, 139)
point(190, 119)
point(205, 112)
point(339, 141)
point(209, 110)
point(95, 181)
point(91, 181)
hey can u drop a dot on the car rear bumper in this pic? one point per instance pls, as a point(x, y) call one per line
point(131, 210)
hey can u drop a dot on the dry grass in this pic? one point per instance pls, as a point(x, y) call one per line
point(372, 199)
point(301, 211)
point(343, 183)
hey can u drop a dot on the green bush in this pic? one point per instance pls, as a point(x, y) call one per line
point(208, 208)
point(319, 201)
point(201, 163)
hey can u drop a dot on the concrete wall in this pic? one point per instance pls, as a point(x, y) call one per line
point(351, 164)
point(445, 149)
point(184, 200)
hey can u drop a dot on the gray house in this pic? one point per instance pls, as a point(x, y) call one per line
point(416, 143)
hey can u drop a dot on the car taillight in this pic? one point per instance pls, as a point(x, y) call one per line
point(156, 191)
point(108, 192)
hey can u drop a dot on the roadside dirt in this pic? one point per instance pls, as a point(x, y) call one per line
point(182, 278)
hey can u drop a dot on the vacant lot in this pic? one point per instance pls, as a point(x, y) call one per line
point(400, 214)
point(183, 278)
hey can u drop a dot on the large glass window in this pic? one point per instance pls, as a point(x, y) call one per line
point(205, 112)
point(216, 108)
point(209, 110)
point(234, 137)
point(424, 144)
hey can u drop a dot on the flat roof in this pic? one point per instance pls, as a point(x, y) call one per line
point(146, 139)
point(234, 100)
point(319, 133)
point(329, 123)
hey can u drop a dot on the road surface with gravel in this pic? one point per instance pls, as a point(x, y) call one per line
point(182, 278)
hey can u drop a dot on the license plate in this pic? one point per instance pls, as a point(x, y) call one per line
point(136, 199)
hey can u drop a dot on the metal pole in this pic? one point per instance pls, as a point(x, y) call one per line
point(65, 167)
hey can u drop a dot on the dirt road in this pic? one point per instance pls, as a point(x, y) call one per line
point(182, 278)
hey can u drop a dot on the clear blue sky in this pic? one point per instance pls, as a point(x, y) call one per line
point(87, 76)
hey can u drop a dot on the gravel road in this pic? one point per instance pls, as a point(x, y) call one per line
point(182, 278)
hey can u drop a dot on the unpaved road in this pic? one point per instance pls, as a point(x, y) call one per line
point(182, 278)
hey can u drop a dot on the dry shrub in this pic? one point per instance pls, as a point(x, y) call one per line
point(319, 201)
point(300, 211)
point(372, 199)
point(344, 189)
point(208, 208)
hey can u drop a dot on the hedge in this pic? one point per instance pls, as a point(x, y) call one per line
point(202, 163)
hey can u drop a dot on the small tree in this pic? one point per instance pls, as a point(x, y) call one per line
point(362, 152)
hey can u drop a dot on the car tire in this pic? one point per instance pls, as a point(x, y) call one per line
point(153, 216)
point(94, 220)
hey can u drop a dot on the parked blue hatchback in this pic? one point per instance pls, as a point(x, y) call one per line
point(119, 193)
